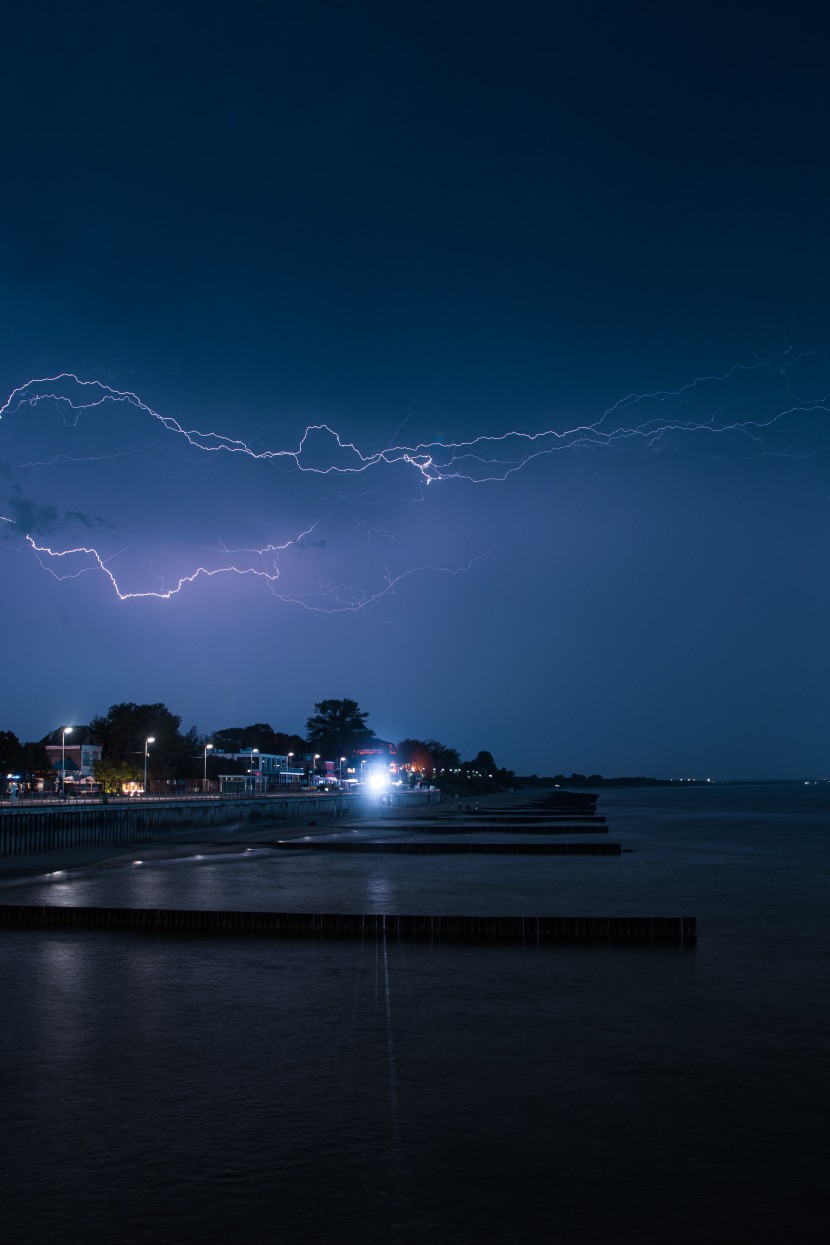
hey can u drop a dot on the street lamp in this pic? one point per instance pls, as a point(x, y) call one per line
point(253, 774)
point(67, 730)
point(151, 739)
point(314, 767)
point(342, 759)
point(204, 781)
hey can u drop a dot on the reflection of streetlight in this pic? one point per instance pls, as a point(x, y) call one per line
point(151, 739)
point(67, 730)
point(207, 749)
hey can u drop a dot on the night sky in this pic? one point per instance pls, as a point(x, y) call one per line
point(419, 230)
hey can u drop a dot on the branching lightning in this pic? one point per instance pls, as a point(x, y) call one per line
point(776, 406)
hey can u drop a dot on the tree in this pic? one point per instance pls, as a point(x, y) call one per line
point(482, 764)
point(259, 735)
point(126, 727)
point(11, 753)
point(415, 754)
point(443, 758)
point(112, 775)
point(18, 758)
point(337, 727)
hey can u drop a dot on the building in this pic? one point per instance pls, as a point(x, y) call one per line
point(74, 752)
point(372, 755)
point(264, 771)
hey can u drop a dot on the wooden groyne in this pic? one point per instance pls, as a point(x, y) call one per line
point(454, 849)
point(533, 818)
point(482, 828)
point(636, 930)
point(542, 823)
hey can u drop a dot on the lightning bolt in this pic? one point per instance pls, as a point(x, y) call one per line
point(777, 406)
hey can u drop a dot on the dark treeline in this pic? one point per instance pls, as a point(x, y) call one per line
point(337, 729)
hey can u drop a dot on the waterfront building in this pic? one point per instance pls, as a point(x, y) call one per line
point(75, 753)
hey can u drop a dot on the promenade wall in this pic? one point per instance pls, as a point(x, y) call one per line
point(24, 829)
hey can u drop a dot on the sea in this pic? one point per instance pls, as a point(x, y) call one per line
point(214, 1089)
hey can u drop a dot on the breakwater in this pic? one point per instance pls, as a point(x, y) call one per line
point(533, 819)
point(452, 849)
point(55, 827)
point(533, 930)
point(467, 827)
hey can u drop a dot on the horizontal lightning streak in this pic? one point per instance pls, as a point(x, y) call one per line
point(481, 459)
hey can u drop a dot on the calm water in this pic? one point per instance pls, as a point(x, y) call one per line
point(204, 1090)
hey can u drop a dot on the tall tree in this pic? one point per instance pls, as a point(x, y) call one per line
point(483, 764)
point(336, 727)
point(126, 727)
point(18, 758)
point(258, 735)
point(11, 753)
point(415, 753)
point(443, 758)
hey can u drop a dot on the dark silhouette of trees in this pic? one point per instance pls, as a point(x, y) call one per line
point(415, 753)
point(337, 727)
point(483, 764)
point(126, 727)
point(443, 757)
point(259, 735)
point(18, 758)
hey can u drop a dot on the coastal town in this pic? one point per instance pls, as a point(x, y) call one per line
point(140, 750)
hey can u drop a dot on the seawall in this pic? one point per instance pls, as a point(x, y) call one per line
point(24, 829)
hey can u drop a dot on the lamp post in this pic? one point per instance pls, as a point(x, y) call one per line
point(253, 775)
point(342, 759)
point(204, 780)
point(151, 739)
point(314, 768)
point(67, 730)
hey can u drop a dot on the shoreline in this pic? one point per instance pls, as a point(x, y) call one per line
point(21, 868)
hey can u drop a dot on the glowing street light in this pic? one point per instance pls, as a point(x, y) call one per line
point(314, 768)
point(207, 750)
point(342, 759)
point(67, 730)
point(151, 739)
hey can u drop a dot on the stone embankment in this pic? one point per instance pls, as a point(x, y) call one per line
point(25, 829)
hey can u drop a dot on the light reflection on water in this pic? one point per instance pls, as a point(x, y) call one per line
point(201, 1089)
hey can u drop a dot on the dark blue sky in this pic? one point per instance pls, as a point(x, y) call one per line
point(424, 224)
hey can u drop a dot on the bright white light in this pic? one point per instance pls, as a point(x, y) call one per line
point(377, 780)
